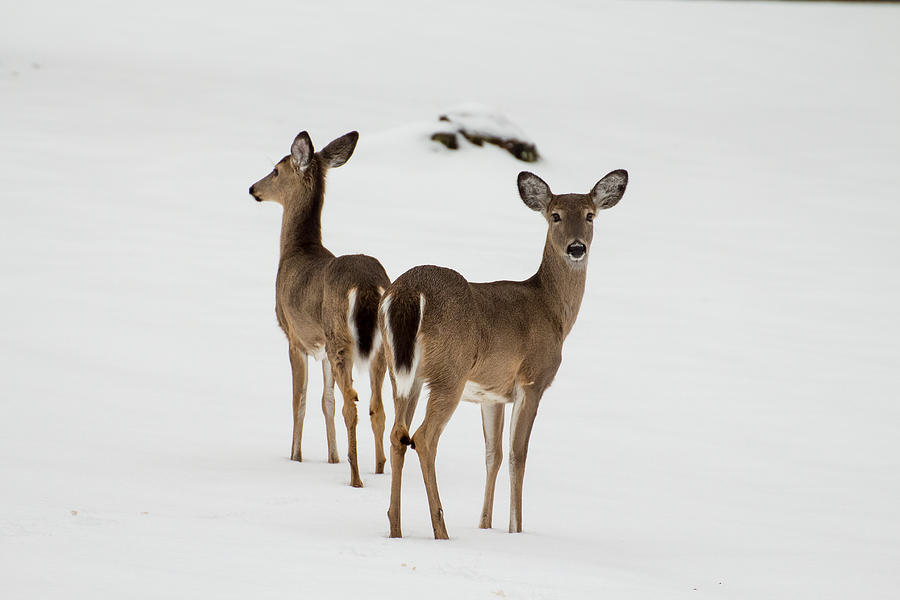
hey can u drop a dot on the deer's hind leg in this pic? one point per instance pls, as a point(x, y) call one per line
point(341, 358)
point(376, 406)
point(442, 402)
point(404, 409)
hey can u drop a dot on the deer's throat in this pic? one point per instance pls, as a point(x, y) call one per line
point(562, 285)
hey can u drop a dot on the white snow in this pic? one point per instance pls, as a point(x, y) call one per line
point(485, 121)
point(725, 422)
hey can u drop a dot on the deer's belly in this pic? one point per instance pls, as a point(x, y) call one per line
point(474, 392)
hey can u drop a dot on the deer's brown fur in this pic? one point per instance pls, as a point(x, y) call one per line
point(326, 305)
point(492, 343)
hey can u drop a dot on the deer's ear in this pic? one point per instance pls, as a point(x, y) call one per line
point(610, 189)
point(534, 192)
point(339, 151)
point(301, 151)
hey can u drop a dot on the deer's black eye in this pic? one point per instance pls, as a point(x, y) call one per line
point(556, 218)
point(275, 172)
point(590, 217)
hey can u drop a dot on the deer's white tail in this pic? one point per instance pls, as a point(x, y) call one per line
point(362, 318)
point(403, 320)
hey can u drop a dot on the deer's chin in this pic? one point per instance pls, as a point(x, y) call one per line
point(576, 263)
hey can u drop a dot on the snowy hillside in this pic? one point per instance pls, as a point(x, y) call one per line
point(725, 422)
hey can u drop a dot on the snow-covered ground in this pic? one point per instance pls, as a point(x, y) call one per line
point(726, 419)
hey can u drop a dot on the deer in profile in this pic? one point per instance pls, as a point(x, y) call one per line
point(491, 343)
point(327, 306)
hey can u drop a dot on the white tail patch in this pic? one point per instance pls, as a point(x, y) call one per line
point(376, 341)
point(405, 379)
point(360, 362)
point(385, 305)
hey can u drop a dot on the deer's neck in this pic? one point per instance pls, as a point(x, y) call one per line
point(301, 224)
point(561, 285)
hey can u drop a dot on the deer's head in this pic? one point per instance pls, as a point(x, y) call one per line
point(570, 217)
point(298, 173)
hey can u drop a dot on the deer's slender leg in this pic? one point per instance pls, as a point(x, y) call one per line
point(341, 366)
point(441, 404)
point(298, 369)
point(328, 410)
point(376, 406)
point(404, 408)
point(492, 423)
point(523, 414)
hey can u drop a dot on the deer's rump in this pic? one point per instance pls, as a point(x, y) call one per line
point(358, 280)
point(423, 301)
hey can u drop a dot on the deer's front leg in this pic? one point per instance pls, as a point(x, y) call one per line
point(523, 414)
point(328, 410)
point(492, 423)
point(298, 369)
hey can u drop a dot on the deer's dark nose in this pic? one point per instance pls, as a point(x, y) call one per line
point(576, 250)
point(253, 192)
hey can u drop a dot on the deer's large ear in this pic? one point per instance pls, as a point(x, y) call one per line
point(610, 189)
point(301, 151)
point(339, 151)
point(534, 192)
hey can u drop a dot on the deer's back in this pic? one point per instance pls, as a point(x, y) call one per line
point(355, 271)
point(497, 334)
